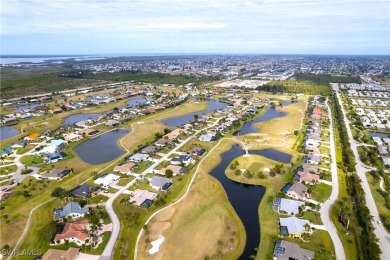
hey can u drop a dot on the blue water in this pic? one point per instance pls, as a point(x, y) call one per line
point(380, 135)
point(245, 198)
point(79, 117)
point(286, 187)
point(7, 132)
point(101, 149)
point(270, 113)
point(137, 101)
point(184, 119)
point(27, 106)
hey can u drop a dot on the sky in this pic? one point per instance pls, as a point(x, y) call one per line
point(187, 26)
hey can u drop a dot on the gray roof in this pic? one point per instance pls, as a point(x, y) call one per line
point(290, 205)
point(70, 208)
point(57, 173)
point(286, 250)
point(158, 181)
point(298, 188)
point(149, 149)
point(293, 224)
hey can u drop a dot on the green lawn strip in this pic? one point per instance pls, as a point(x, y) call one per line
point(320, 192)
point(380, 201)
point(313, 217)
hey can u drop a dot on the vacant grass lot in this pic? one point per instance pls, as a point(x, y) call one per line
point(321, 192)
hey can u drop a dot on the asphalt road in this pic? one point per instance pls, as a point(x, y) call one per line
point(325, 207)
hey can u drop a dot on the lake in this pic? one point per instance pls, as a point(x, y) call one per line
point(7, 131)
point(137, 101)
point(245, 198)
point(184, 119)
point(101, 149)
point(380, 135)
point(79, 117)
point(270, 113)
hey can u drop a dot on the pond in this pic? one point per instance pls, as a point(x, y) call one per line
point(101, 149)
point(137, 101)
point(27, 106)
point(380, 135)
point(184, 119)
point(79, 117)
point(270, 113)
point(7, 131)
point(245, 198)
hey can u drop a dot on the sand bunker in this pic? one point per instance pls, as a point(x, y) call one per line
point(156, 245)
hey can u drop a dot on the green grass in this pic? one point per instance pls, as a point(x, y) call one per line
point(313, 217)
point(142, 166)
point(321, 192)
point(31, 160)
point(8, 169)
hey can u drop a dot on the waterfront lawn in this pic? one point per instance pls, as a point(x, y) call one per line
point(320, 192)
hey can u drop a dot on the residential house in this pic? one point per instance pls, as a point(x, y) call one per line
point(112, 123)
point(56, 174)
point(72, 137)
point(90, 131)
point(125, 168)
point(139, 157)
point(287, 206)
point(83, 190)
point(107, 180)
point(75, 232)
point(163, 142)
point(31, 137)
point(142, 197)
point(176, 169)
point(306, 177)
point(150, 149)
point(72, 209)
point(196, 151)
point(160, 183)
point(182, 160)
point(207, 138)
point(312, 159)
point(174, 134)
point(285, 250)
point(298, 191)
point(293, 227)
point(57, 254)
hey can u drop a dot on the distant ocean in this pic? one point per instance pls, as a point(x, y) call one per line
point(36, 59)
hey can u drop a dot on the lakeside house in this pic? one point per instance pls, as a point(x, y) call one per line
point(126, 168)
point(287, 206)
point(293, 227)
point(285, 250)
point(139, 157)
point(107, 180)
point(298, 191)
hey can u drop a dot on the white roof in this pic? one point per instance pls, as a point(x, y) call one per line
point(106, 179)
point(293, 224)
point(290, 205)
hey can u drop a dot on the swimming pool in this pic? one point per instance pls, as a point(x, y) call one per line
point(286, 187)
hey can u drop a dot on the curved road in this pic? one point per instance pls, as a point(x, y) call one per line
point(326, 206)
point(380, 232)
